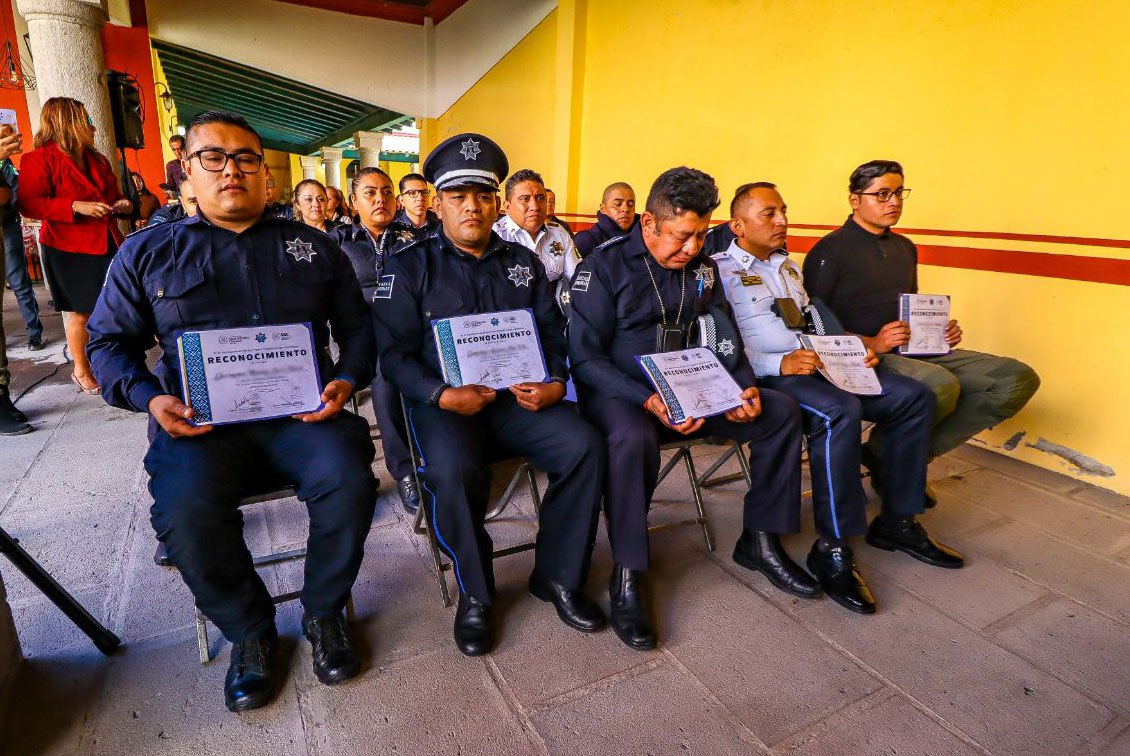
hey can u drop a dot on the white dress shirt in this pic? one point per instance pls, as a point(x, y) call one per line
point(553, 246)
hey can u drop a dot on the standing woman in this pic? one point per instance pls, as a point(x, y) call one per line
point(68, 185)
point(310, 202)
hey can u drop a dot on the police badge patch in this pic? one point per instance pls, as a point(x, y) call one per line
point(384, 287)
point(557, 249)
point(404, 235)
point(581, 282)
point(300, 250)
point(704, 274)
point(520, 275)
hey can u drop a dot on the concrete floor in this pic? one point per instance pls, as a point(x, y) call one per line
point(1023, 652)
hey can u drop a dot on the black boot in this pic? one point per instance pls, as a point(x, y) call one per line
point(474, 626)
point(12, 421)
point(835, 569)
point(905, 534)
point(251, 678)
point(335, 657)
point(573, 607)
point(631, 618)
point(761, 551)
point(409, 493)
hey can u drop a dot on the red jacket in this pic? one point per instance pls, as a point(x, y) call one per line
point(50, 181)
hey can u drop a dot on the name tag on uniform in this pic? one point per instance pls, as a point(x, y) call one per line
point(384, 287)
point(751, 280)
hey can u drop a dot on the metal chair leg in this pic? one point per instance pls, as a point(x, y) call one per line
point(508, 494)
point(696, 492)
point(202, 637)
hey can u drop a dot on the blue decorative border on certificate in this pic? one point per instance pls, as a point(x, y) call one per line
point(445, 341)
point(664, 388)
point(196, 385)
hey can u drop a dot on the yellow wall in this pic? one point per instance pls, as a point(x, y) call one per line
point(513, 104)
point(1007, 116)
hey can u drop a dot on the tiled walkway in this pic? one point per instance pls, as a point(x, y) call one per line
point(1025, 651)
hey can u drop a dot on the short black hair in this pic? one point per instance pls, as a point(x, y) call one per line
point(372, 170)
point(743, 193)
point(410, 177)
point(680, 190)
point(177, 138)
point(221, 116)
point(523, 175)
point(862, 176)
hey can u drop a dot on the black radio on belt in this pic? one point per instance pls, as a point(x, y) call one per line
point(787, 310)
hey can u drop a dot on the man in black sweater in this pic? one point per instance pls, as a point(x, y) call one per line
point(860, 269)
point(615, 218)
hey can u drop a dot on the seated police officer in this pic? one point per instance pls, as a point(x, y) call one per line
point(766, 291)
point(466, 269)
point(414, 211)
point(369, 242)
point(860, 269)
point(526, 222)
point(615, 217)
point(637, 296)
point(232, 265)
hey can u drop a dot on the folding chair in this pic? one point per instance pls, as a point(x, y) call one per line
point(683, 453)
point(421, 526)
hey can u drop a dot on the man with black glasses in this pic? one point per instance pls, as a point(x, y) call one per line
point(860, 270)
point(232, 266)
point(415, 205)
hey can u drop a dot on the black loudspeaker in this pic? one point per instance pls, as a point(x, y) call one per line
point(125, 107)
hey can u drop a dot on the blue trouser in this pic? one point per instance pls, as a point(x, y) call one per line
point(15, 271)
point(390, 420)
point(634, 435)
point(197, 483)
point(457, 450)
point(832, 418)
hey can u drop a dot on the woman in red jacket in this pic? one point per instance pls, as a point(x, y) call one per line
point(68, 185)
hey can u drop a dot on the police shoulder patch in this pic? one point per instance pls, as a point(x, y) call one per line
point(581, 282)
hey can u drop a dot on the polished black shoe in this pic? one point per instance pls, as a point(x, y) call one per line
point(10, 426)
point(835, 570)
point(251, 678)
point(409, 493)
point(573, 607)
point(11, 410)
point(36, 343)
point(336, 659)
point(474, 626)
point(908, 536)
point(762, 552)
point(630, 617)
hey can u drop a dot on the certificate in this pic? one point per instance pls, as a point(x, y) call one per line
point(493, 349)
point(928, 315)
point(235, 375)
point(843, 358)
point(692, 383)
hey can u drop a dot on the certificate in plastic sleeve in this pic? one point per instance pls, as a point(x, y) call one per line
point(236, 375)
point(492, 349)
point(928, 315)
point(692, 383)
point(843, 358)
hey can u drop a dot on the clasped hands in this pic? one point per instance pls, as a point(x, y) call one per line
point(746, 412)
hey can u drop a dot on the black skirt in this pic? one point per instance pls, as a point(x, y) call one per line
point(75, 279)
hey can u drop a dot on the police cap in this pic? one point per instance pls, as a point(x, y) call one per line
point(466, 159)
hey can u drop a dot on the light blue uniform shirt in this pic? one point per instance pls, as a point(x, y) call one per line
point(751, 285)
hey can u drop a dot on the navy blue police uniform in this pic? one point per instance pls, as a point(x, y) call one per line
point(368, 256)
point(434, 279)
point(193, 275)
point(718, 239)
point(431, 222)
point(605, 229)
point(615, 310)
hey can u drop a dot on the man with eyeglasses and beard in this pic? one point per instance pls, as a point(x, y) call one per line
point(859, 270)
point(232, 265)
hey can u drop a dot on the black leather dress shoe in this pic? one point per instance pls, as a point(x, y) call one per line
point(336, 659)
point(474, 626)
point(573, 607)
point(251, 678)
point(762, 552)
point(909, 537)
point(409, 493)
point(36, 343)
point(836, 572)
point(630, 617)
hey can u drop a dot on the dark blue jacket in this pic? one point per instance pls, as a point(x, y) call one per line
point(718, 239)
point(170, 213)
point(615, 312)
point(604, 229)
point(434, 279)
point(369, 258)
point(431, 222)
point(192, 275)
